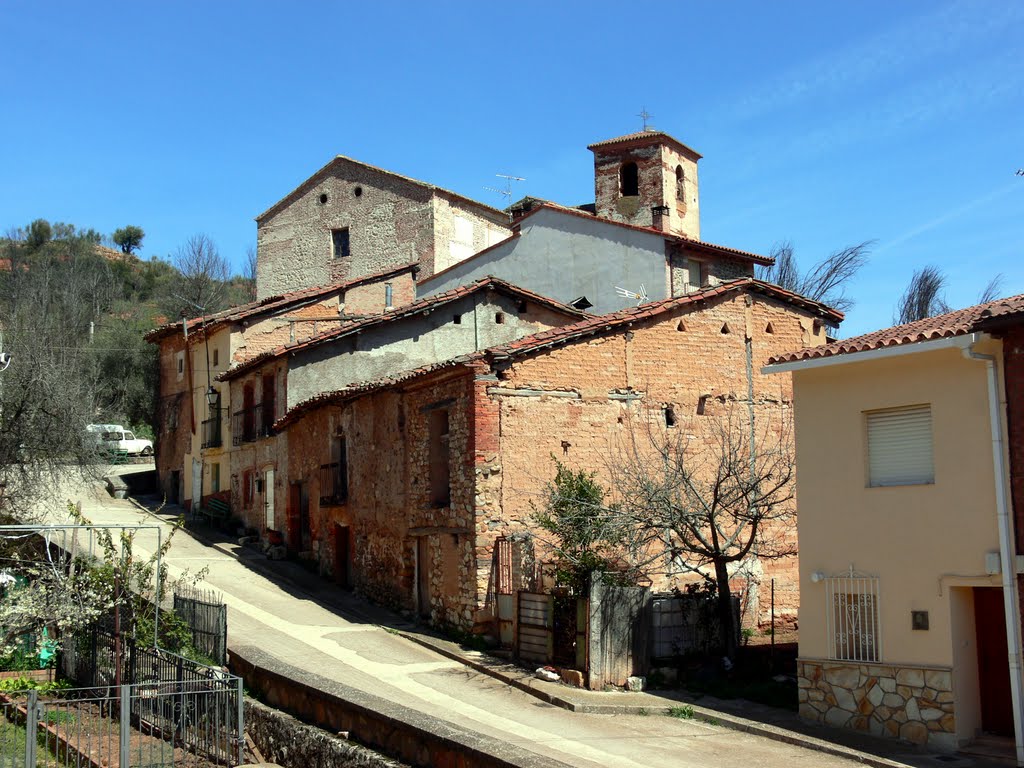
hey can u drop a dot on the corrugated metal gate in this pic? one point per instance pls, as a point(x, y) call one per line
point(535, 637)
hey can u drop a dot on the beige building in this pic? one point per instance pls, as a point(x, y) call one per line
point(909, 594)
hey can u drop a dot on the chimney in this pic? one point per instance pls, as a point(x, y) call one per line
point(660, 218)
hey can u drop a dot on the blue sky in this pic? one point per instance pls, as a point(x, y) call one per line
point(820, 123)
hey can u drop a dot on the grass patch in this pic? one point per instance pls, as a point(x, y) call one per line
point(684, 712)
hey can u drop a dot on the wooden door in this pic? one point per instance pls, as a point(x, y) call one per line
point(993, 661)
point(268, 498)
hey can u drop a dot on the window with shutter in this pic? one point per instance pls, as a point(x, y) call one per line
point(900, 446)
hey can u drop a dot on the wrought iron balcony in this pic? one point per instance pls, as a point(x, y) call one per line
point(211, 430)
point(250, 424)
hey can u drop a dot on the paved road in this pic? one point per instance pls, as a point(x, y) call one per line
point(341, 644)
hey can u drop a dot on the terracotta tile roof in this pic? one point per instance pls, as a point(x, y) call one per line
point(587, 327)
point(427, 304)
point(956, 323)
point(271, 304)
point(339, 396)
point(641, 136)
point(685, 241)
point(614, 320)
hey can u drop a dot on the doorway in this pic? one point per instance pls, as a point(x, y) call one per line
point(342, 556)
point(993, 661)
point(268, 498)
point(423, 576)
point(173, 487)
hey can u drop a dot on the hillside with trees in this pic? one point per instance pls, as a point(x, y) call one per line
point(73, 311)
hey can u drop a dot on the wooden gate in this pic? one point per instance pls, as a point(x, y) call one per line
point(535, 636)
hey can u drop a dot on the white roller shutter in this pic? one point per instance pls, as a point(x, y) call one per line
point(900, 446)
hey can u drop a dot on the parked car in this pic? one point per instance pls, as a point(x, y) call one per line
point(125, 441)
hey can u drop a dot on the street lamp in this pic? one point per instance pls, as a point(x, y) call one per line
point(212, 397)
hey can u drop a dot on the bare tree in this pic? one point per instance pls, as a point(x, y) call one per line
point(707, 494)
point(202, 286)
point(923, 296)
point(991, 291)
point(826, 280)
point(47, 393)
point(250, 271)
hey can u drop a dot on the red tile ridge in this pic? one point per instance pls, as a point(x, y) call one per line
point(407, 310)
point(956, 323)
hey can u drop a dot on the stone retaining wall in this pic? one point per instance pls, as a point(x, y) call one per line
point(413, 737)
point(284, 740)
point(910, 703)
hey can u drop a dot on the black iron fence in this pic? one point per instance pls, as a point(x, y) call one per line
point(207, 618)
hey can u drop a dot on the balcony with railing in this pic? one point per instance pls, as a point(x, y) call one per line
point(211, 430)
point(250, 424)
point(333, 484)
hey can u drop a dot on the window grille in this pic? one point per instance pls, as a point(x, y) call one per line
point(852, 617)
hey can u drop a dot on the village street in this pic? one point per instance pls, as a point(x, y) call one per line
point(343, 645)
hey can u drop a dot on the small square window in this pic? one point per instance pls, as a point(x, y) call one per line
point(339, 240)
point(499, 318)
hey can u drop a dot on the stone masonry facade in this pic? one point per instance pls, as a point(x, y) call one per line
point(912, 703)
point(387, 220)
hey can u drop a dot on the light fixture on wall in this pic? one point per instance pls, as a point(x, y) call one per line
point(817, 576)
point(212, 396)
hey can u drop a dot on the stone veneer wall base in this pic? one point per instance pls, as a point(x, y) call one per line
point(895, 701)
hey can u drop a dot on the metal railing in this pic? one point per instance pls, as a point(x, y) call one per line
point(151, 723)
point(251, 424)
point(211, 431)
point(333, 484)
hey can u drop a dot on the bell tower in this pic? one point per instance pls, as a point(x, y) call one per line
point(648, 179)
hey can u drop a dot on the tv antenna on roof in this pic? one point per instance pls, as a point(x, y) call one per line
point(507, 191)
point(625, 293)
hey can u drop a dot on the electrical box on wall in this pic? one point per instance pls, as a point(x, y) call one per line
point(992, 564)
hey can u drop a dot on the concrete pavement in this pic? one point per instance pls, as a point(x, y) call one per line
point(305, 625)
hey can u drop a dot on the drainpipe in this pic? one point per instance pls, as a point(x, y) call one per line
point(1007, 553)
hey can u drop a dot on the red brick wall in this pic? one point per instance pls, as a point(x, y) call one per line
point(668, 366)
point(389, 505)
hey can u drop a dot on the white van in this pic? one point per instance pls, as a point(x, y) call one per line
point(125, 440)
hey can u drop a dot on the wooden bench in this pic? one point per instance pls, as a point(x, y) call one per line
point(216, 511)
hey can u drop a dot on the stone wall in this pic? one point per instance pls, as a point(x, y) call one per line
point(391, 220)
point(897, 701)
point(415, 738)
point(282, 739)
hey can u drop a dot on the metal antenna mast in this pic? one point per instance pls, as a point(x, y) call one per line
point(507, 191)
